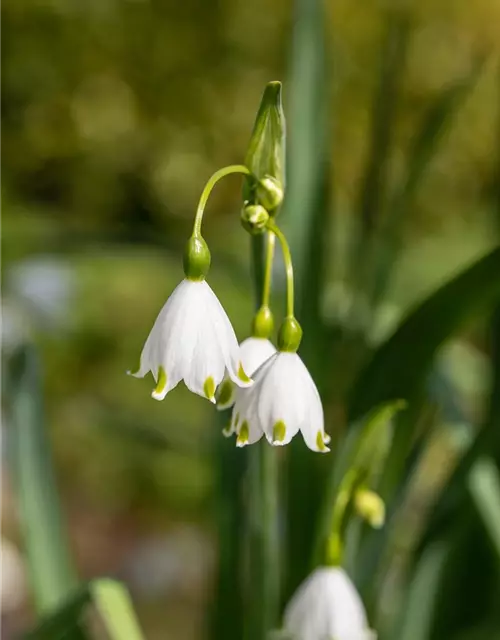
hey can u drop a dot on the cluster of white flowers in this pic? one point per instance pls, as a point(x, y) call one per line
point(272, 391)
point(193, 340)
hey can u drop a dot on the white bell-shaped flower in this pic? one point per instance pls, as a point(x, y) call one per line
point(282, 401)
point(192, 340)
point(327, 606)
point(253, 353)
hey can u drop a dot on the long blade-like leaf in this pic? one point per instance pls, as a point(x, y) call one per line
point(425, 144)
point(484, 487)
point(398, 368)
point(111, 601)
point(305, 219)
point(419, 609)
point(51, 569)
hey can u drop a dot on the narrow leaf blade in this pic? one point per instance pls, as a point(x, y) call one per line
point(53, 575)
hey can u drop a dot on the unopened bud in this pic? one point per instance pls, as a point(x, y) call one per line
point(269, 193)
point(370, 506)
point(254, 218)
point(266, 151)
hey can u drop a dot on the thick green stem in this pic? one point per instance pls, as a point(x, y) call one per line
point(287, 257)
point(225, 171)
point(264, 572)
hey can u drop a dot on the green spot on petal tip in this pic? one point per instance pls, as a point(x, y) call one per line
point(243, 434)
point(209, 388)
point(225, 393)
point(279, 431)
point(320, 443)
point(162, 382)
point(242, 375)
point(227, 431)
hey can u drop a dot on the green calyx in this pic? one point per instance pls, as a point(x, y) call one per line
point(269, 193)
point(263, 323)
point(254, 218)
point(196, 258)
point(289, 335)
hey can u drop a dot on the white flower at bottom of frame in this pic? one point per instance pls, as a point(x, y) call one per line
point(192, 340)
point(282, 401)
point(253, 353)
point(326, 606)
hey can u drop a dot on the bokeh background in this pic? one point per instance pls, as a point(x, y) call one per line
point(115, 113)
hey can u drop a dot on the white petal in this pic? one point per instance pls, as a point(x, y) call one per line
point(253, 353)
point(152, 356)
point(281, 399)
point(226, 339)
point(327, 605)
point(313, 430)
point(244, 420)
point(204, 369)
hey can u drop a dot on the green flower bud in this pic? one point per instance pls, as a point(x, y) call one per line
point(196, 258)
point(370, 506)
point(269, 193)
point(266, 150)
point(262, 325)
point(254, 218)
point(289, 335)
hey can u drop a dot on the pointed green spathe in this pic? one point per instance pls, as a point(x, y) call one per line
point(266, 152)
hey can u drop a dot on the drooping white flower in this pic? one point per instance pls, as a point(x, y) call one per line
point(282, 401)
point(192, 340)
point(327, 606)
point(253, 353)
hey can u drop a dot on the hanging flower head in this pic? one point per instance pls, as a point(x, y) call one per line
point(192, 338)
point(284, 399)
point(327, 606)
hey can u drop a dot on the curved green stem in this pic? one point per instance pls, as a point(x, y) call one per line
point(221, 173)
point(268, 268)
point(287, 257)
point(346, 490)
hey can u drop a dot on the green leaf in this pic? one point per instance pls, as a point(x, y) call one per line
point(393, 60)
point(484, 486)
point(308, 144)
point(111, 601)
point(50, 566)
point(488, 439)
point(229, 512)
point(305, 222)
point(421, 602)
point(435, 123)
point(399, 367)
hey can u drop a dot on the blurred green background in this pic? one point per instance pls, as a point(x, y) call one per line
point(115, 113)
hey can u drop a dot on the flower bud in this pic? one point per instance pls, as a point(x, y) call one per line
point(269, 193)
point(254, 218)
point(370, 506)
point(196, 258)
point(266, 151)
